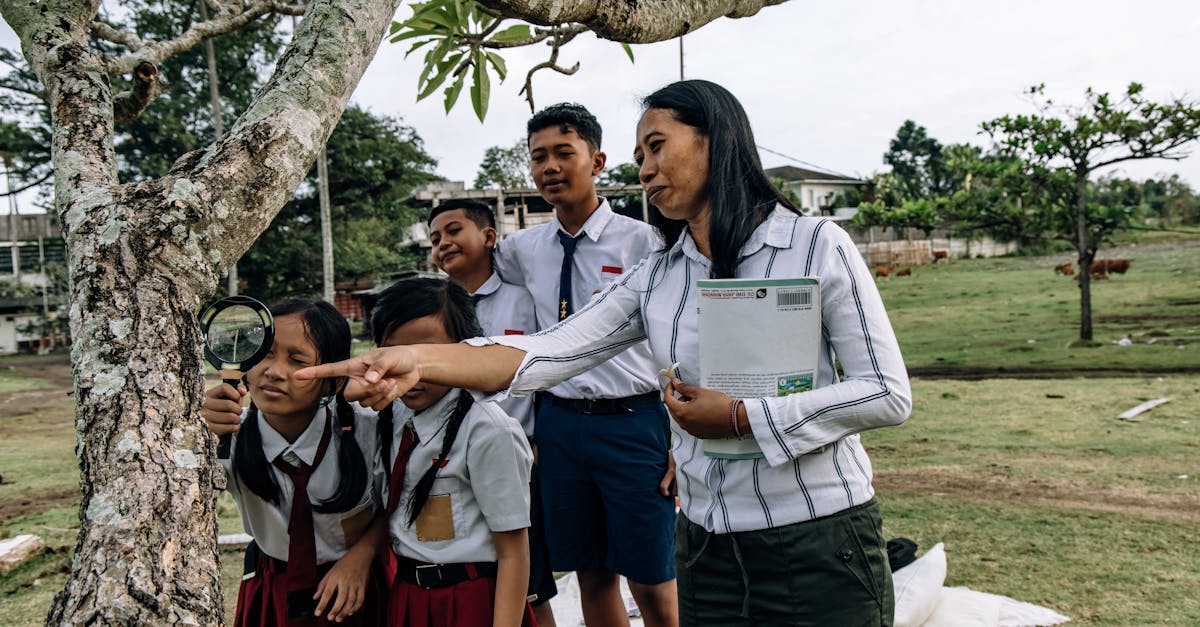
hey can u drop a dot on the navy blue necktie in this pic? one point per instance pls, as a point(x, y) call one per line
point(565, 308)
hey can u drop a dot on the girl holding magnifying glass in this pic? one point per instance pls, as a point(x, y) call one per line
point(301, 480)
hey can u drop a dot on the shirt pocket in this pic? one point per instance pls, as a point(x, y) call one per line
point(356, 522)
point(435, 523)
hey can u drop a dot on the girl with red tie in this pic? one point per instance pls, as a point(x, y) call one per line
point(457, 484)
point(302, 482)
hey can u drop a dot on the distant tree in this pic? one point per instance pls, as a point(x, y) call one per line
point(1171, 200)
point(624, 174)
point(504, 168)
point(1067, 143)
point(24, 125)
point(918, 164)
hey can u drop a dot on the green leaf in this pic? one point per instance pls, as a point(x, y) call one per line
point(444, 70)
point(453, 90)
point(433, 60)
point(498, 63)
point(481, 88)
point(520, 32)
point(419, 45)
point(628, 51)
point(414, 32)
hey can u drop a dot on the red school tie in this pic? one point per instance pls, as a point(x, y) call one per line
point(301, 571)
point(408, 442)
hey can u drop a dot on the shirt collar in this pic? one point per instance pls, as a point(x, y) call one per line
point(432, 419)
point(489, 286)
point(305, 446)
point(776, 231)
point(594, 225)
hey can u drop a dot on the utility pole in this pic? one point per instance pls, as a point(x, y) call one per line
point(681, 57)
point(326, 226)
point(13, 222)
point(214, 99)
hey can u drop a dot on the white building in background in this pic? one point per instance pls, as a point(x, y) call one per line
point(817, 190)
point(29, 245)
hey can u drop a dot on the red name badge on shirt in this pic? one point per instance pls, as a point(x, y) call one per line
point(513, 332)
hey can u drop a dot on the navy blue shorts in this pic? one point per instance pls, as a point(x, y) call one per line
point(600, 470)
point(541, 574)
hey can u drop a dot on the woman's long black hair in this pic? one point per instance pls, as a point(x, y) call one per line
point(740, 194)
point(330, 334)
point(402, 302)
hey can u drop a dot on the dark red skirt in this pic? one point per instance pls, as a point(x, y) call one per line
point(262, 599)
point(466, 604)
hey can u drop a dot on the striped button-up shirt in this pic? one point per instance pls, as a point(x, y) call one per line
point(814, 464)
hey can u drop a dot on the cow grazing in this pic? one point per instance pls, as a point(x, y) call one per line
point(883, 270)
point(904, 272)
point(941, 254)
point(1065, 269)
point(1105, 266)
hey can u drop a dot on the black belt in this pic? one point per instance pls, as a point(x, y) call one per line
point(431, 576)
point(604, 405)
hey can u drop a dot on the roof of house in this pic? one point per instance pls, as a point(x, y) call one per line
point(792, 173)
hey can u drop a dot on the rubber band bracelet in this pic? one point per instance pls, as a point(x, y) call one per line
point(733, 416)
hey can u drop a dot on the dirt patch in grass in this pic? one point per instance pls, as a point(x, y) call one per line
point(42, 502)
point(960, 483)
point(976, 373)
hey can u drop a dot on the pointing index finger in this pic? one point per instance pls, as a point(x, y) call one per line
point(347, 368)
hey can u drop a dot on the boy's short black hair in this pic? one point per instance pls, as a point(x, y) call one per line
point(478, 212)
point(568, 116)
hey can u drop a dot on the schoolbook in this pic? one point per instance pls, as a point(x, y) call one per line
point(758, 338)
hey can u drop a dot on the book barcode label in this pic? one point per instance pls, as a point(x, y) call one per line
point(793, 298)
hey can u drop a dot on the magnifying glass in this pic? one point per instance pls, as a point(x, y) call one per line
point(238, 333)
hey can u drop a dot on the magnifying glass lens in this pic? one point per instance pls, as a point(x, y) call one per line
point(236, 333)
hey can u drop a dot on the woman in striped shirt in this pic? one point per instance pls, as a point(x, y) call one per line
point(790, 538)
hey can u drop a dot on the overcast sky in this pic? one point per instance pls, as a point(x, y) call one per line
point(830, 82)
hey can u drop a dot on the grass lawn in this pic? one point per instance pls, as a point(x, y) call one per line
point(1040, 493)
point(1015, 314)
point(13, 380)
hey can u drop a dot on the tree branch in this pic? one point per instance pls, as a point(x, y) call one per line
point(39, 94)
point(226, 22)
point(641, 22)
point(551, 63)
point(126, 38)
point(45, 177)
point(129, 105)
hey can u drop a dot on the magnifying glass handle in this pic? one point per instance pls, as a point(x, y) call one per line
point(225, 442)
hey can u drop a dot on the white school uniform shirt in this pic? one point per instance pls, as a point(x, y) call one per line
point(485, 476)
point(268, 523)
point(611, 244)
point(507, 309)
point(814, 464)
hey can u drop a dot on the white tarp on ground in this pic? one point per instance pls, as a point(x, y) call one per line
point(921, 601)
point(567, 612)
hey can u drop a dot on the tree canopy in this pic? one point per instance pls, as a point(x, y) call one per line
point(504, 167)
